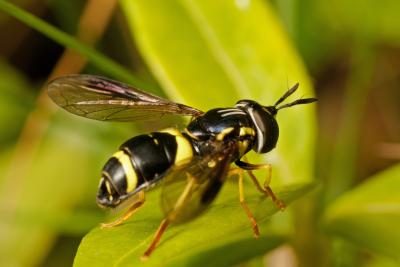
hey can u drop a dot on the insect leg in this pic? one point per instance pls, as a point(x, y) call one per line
point(157, 236)
point(254, 225)
point(266, 189)
point(135, 206)
point(171, 216)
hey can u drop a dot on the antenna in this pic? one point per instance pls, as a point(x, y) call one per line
point(298, 102)
point(289, 92)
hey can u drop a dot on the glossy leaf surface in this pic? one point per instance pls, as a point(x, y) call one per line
point(223, 228)
point(369, 215)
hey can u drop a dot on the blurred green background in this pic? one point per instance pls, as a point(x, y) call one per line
point(337, 161)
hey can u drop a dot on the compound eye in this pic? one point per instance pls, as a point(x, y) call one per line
point(267, 130)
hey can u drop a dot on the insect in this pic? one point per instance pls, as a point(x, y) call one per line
point(192, 164)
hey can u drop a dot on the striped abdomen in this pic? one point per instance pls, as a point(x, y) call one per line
point(140, 163)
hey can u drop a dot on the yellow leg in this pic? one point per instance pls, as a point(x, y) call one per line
point(266, 189)
point(254, 225)
point(170, 217)
point(157, 236)
point(135, 206)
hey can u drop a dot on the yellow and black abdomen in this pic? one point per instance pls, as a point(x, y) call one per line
point(140, 164)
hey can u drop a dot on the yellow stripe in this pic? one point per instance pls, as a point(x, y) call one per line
point(131, 176)
point(172, 131)
point(183, 147)
point(246, 130)
point(224, 132)
point(108, 187)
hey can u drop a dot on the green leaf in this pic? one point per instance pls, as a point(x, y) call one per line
point(224, 228)
point(211, 54)
point(369, 215)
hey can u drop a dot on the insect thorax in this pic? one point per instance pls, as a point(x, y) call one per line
point(223, 125)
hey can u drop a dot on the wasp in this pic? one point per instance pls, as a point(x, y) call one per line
point(192, 163)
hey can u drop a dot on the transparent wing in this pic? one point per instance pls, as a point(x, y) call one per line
point(190, 187)
point(98, 98)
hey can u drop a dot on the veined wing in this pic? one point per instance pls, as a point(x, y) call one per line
point(189, 188)
point(98, 98)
